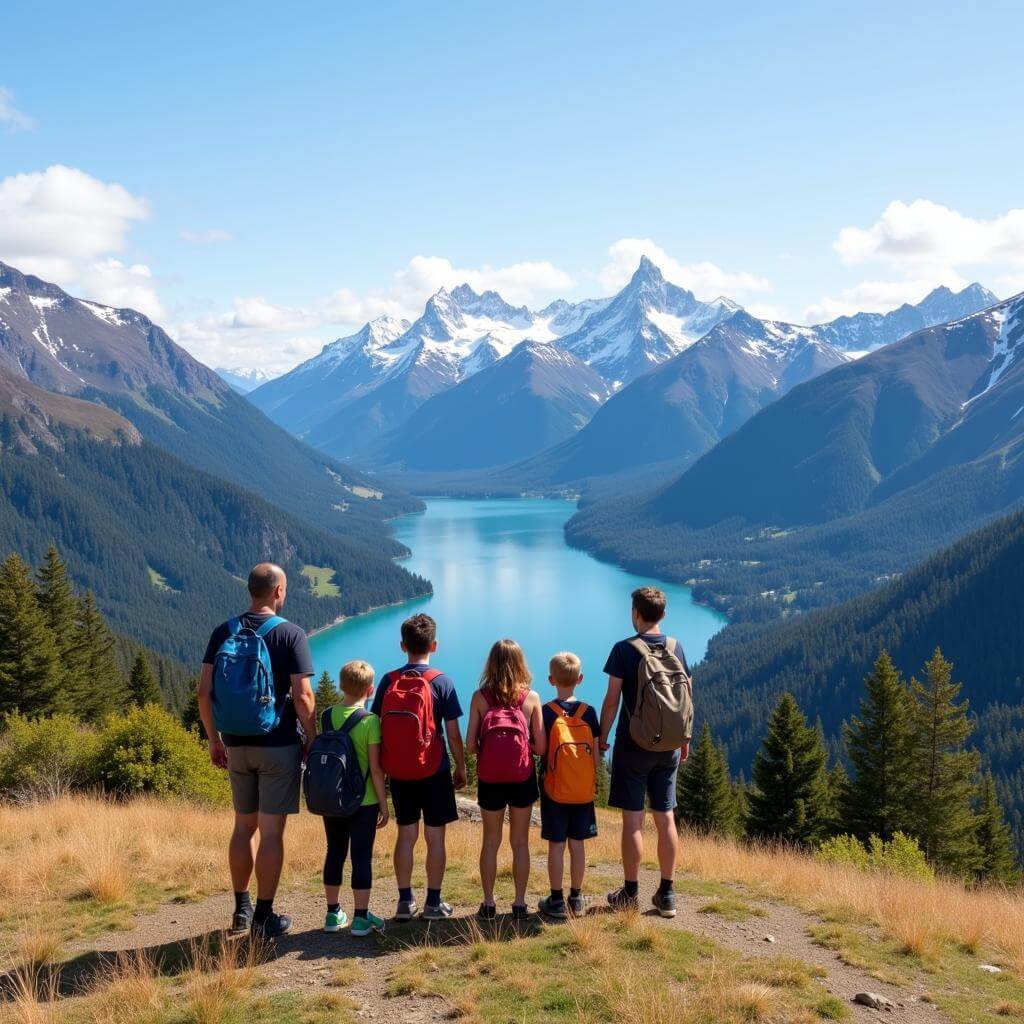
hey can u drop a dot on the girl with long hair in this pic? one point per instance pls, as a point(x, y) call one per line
point(506, 731)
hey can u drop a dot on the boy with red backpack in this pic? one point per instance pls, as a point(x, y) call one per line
point(568, 786)
point(418, 709)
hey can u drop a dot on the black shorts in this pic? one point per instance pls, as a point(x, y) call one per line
point(432, 799)
point(496, 796)
point(559, 822)
point(643, 776)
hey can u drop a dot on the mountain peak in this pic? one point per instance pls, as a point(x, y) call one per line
point(647, 271)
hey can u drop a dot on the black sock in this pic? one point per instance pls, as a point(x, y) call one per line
point(243, 902)
point(557, 895)
point(264, 908)
point(405, 895)
point(333, 908)
point(575, 894)
point(666, 887)
point(433, 897)
point(631, 888)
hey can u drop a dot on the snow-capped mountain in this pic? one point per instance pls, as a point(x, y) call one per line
point(530, 399)
point(243, 379)
point(649, 321)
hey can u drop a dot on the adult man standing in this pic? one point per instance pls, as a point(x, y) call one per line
point(264, 764)
point(641, 775)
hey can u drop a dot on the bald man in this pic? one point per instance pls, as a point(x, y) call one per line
point(265, 770)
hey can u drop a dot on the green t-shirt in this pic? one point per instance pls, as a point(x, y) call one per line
point(365, 733)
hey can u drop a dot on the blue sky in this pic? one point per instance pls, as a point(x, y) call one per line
point(260, 178)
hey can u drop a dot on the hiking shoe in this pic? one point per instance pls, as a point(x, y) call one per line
point(665, 903)
point(335, 920)
point(241, 922)
point(407, 910)
point(520, 913)
point(441, 912)
point(555, 909)
point(621, 900)
point(487, 912)
point(365, 923)
point(577, 905)
point(272, 926)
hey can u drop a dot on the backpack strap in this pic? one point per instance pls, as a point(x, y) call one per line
point(431, 674)
point(580, 710)
point(557, 708)
point(234, 627)
point(353, 720)
point(326, 720)
point(640, 646)
point(488, 697)
point(272, 623)
point(670, 644)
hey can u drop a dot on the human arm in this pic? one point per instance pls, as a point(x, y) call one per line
point(451, 729)
point(609, 709)
point(377, 778)
point(538, 735)
point(218, 752)
point(305, 708)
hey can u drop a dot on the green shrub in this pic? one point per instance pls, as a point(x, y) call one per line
point(900, 856)
point(147, 750)
point(846, 850)
point(45, 757)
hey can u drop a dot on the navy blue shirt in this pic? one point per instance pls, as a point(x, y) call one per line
point(446, 705)
point(623, 662)
point(289, 656)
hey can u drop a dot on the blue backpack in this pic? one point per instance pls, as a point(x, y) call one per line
point(334, 783)
point(244, 697)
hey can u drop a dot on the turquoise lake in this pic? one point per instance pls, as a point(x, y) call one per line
point(502, 568)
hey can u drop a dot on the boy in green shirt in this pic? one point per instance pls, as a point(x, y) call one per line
point(355, 835)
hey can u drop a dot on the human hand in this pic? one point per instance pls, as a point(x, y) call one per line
point(684, 751)
point(383, 816)
point(460, 778)
point(218, 753)
point(605, 747)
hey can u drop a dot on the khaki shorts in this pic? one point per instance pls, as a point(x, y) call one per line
point(265, 779)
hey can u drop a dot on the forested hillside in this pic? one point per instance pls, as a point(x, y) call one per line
point(966, 599)
point(166, 548)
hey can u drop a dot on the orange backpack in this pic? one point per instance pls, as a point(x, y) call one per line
point(570, 776)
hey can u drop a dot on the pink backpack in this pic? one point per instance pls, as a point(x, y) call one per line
point(504, 743)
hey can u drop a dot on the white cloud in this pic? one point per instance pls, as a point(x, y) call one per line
point(66, 226)
point(706, 280)
point(10, 116)
point(210, 236)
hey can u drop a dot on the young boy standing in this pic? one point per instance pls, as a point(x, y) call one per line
point(419, 709)
point(569, 785)
point(354, 836)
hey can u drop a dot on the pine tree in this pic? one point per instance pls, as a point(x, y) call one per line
point(604, 782)
point(190, 712)
point(101, 688)
point(998, 859)
point(60, 609)
point(838, 794)
point(790, 796)
point(142, 685)
point(705, 797)
point(29, 660)
point(942, 770)
point(326, 694)
point(879, 746)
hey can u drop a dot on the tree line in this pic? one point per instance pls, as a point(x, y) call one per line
point(911, 774)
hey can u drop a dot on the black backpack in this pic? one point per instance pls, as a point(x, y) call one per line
point(334, 783)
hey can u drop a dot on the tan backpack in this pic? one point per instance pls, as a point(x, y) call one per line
point(662, 719)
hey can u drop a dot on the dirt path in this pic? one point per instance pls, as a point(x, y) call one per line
point(308, 957)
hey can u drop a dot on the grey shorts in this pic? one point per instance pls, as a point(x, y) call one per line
point(265, 779)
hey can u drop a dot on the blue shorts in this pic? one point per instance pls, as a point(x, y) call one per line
point(559, 822)
point(643, 776)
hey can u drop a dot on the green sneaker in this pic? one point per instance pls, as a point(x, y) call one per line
point(363, 924)
point(335, 921)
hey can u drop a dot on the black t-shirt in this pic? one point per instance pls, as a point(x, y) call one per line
point(569, 706)
point(289, 655)
point(623, 662)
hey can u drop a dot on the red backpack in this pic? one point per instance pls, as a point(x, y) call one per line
point(504, 743)
point(411, 747)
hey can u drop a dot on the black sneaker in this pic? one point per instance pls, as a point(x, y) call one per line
point(487, 912)
point(241, 922)
point(520, 913)
point(553, 908)
point(577, 905)
point(621, 900)
point(271, 927)
point(665, 903)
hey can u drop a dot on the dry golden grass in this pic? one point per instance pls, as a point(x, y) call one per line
point(919, 916)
